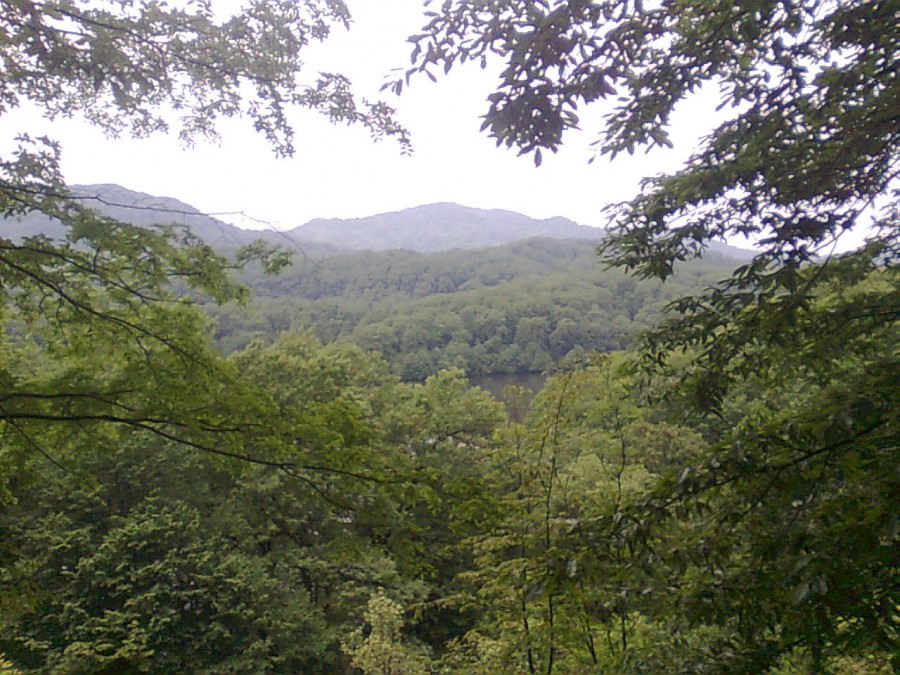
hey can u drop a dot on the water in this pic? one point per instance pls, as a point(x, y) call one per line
point(496, 384)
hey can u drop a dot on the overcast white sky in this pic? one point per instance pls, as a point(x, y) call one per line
point(340, 172)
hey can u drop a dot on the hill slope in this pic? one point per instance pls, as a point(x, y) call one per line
point(514, 308)
point(144, 210)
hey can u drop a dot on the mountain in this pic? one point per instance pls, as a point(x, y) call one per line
point(424, 229)
point(446, 227)
point(439, 227)
point(144, 210)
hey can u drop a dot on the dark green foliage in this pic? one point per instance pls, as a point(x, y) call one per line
point(510, 309)
point(791, 523)
point(144, 558)
point(135, 571)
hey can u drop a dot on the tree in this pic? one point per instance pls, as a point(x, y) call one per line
point(383, 651)
point(139, 565)
point(809, 152)
point(545, 603)
point(105, 310)
point(144, 557)
point(100, 337)
point(134, 68)
point(812, 143)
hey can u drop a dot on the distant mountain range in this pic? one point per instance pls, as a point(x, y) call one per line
point(426, 229)
point(147, 210)
point(440, 227)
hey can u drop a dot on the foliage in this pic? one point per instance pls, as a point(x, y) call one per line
point(124, 68)
point(800, 477)
point(543, 603)
point(102, 349)
point(109, 293)
point(381, 651)
point(135, 573)
point(752, 533)
point(141, 557)
point(509, 309)
point(722, 500)
point(6, 667)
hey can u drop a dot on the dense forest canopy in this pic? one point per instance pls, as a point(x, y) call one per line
point(518, 308)
point(720, 496)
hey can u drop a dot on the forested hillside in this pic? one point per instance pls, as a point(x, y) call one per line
point(509, 309)
point(518, 307)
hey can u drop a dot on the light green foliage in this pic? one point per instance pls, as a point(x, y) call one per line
point(336, 405)
point(782, 529)
point(397, 468)
point(583, 449)
point(473, 653)
point(447, 430)
point(382, 650)
point(372, 487)
point(6, 668)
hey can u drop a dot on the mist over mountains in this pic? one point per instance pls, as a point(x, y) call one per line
point(425, 229)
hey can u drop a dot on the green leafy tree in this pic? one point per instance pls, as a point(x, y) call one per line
point(447, 430)
point(111, 291)
point(383, 651)
point(142, 557)
point(389, 465)
point(783, 531)
point(134, 569)
point(100, 335)
point(547, 603)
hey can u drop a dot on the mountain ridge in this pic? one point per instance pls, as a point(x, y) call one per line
point(429, 228)
point(442, 226)
point(146, 210)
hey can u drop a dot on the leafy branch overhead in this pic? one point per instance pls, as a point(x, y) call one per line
point(141, 68)
point(146, 67)
point(812, 91)
point(808, 152)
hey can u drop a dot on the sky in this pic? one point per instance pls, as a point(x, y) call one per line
point(339, 172)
